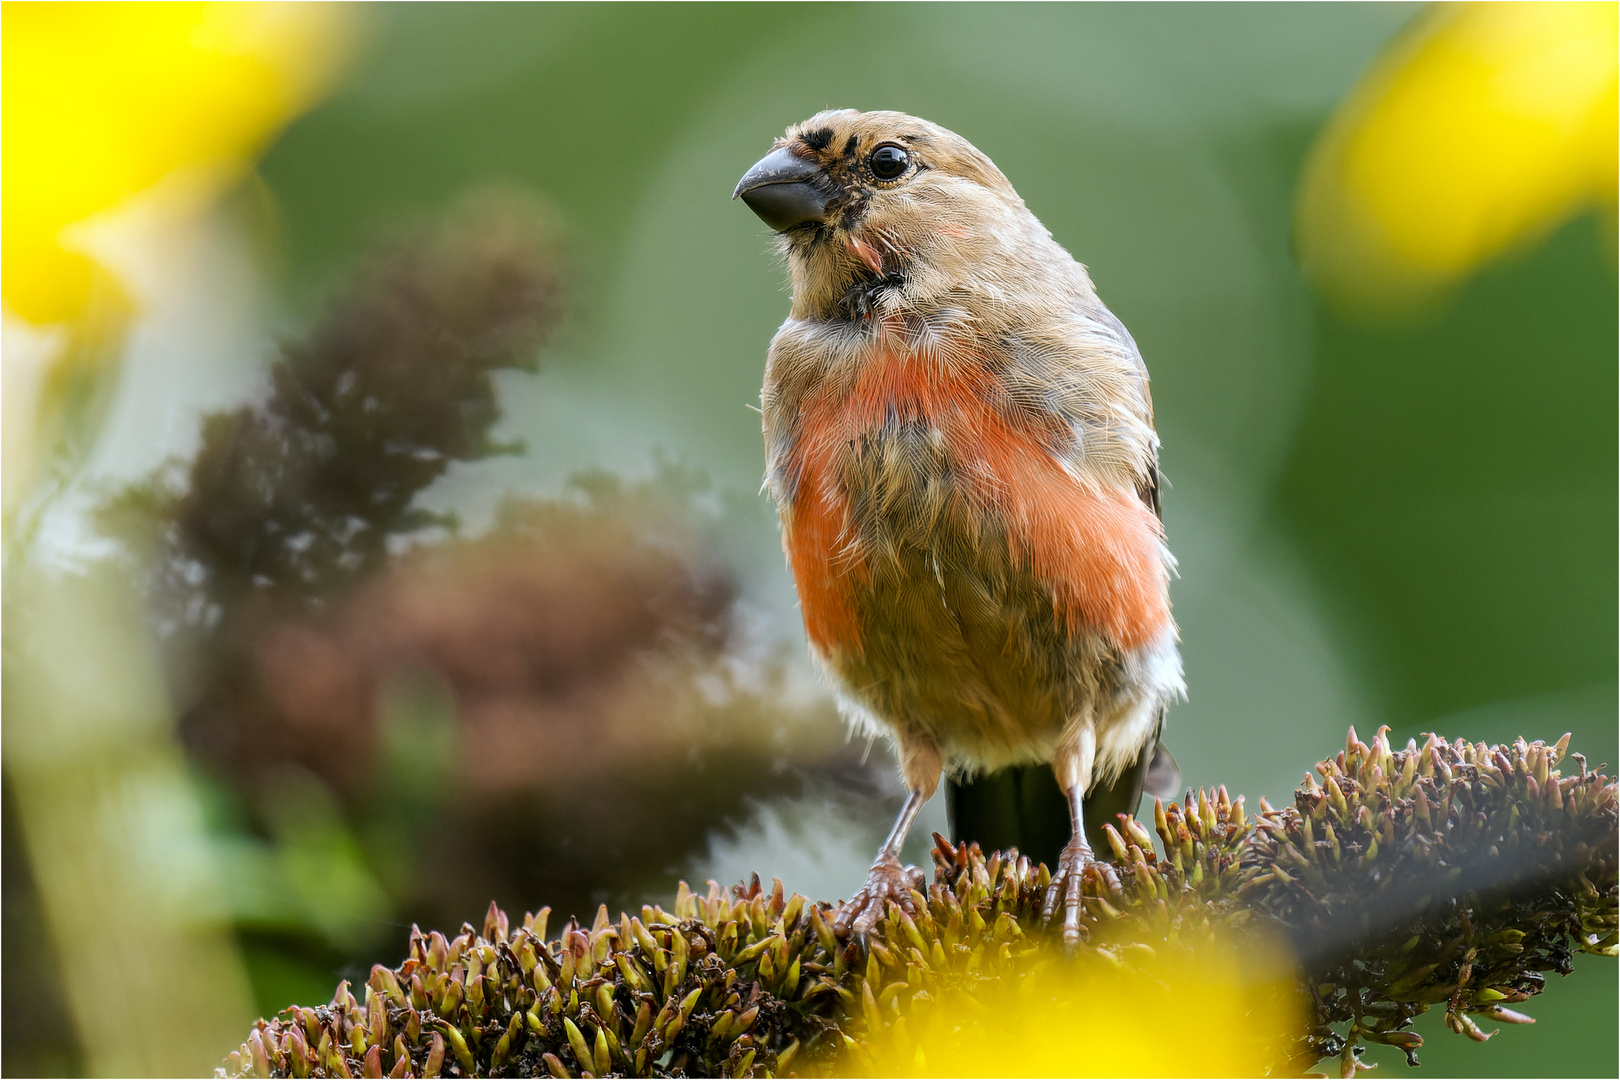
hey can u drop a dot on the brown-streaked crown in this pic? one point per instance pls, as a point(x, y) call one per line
point(842, 142)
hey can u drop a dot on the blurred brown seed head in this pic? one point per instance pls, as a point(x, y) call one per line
point(579, 687)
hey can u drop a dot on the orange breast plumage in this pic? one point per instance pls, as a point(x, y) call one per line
point(920, 458)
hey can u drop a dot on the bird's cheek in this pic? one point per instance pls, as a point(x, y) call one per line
point(865, 252)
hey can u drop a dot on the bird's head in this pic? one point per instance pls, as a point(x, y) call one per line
point(877, 209)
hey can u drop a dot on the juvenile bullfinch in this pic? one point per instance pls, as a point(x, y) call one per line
point(959, 439)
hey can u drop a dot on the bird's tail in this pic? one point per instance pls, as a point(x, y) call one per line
point(1022, 806)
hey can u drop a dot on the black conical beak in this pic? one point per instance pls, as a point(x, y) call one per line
point(783, 190)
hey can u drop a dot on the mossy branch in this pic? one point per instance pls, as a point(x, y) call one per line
point(1442, 873)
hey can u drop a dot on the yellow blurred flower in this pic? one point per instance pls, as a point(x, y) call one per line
point(1188, 1008)
point(101, 101)
point(108, 109)
point(104, 104)
point(1481, 129)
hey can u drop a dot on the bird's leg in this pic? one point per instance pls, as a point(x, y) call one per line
point(920, 764)
point(1069, 874)
point(888, 880)
point(1073, 767)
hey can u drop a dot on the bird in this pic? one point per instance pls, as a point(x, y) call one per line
point(959, 441)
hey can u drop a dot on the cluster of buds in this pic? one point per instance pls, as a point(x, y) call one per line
point(1446, 872)
point(1452, 873)
point(718, 987)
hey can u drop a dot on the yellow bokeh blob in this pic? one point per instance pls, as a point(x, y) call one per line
point(1213, 1010)
point(102, 101)
point(102, 104)
point(1481, 129)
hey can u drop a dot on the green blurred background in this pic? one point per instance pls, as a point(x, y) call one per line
point(1407, 521)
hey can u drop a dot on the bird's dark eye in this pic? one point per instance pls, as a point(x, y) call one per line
point(889, 161)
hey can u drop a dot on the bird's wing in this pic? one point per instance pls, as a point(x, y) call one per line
point(1084, 367)
point(1152, 480)
point(1162, 776)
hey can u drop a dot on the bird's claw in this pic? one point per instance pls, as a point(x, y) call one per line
point(888, 882)
point(1074, 865)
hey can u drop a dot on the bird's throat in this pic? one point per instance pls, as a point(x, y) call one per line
point(862, 300)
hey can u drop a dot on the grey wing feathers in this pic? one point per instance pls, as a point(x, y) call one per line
point(1147, 488)
point(1162, 777)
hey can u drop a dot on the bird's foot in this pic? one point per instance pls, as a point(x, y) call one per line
point(888, 881)
point(1067, 890)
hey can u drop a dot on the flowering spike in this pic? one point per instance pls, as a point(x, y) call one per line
point(769, 971)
